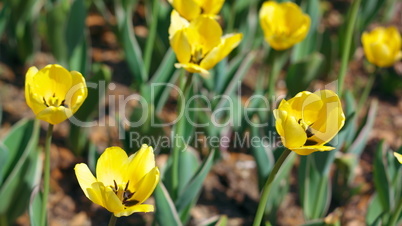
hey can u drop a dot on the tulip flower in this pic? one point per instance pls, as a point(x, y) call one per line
point(398, 157)
point(122, 183)
point(191, 9)
point(382, 46)
point(53, 93)
point(308, 121)
point(284, 24)
point(199, 44)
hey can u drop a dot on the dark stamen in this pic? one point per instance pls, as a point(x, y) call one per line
point(125, 189)
point(130, 202)
point(127, 195)
point(44, 101)
point(309, 132)
point(310, 143)
point(115, 186)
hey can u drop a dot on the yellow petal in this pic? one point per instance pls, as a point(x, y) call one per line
point(306, 150)
point(194, 68)
point(398, 157)
point(52, 80)
point(211, 7)
point(204, 32)
point(293, 135)
point(330, 119)
point(181, 46)
point(139, 164)
point(84, 176)
point(395, 42)
point(111, 201)
point(77, 93)
point(297, 23)
point(146, 186)
point(306, 106)
point(382, 46)
point(188, 9)
point(283, 24)
point(176, 23)
point(367, 40)
point(54, 115)
point(111, 166)
point(228, 43)
point(28, 82)
point(95, 193)
point(143, 208)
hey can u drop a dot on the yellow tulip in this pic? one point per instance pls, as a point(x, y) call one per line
point(308, 121)
point(199, 44)
point(191, 9)
point(398, 157)
point(382, 46)
point(53, 93)
point(284, 24)
point(122, 183)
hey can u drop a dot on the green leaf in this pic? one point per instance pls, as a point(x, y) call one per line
point(381, 178)
point(238, 112)
point(17, 141)
point(351, 119)
point(193, 188)
point(374, 211)
point(80, 59)
point(4, 17)
point(133, 52)
point(188, 165)
point(56, 18)
point(35, 206)
point(280, 186)
point(233, 81)
point(361, 140)
point(163, 77)
point(216, 221)
point(75, 27)
point(162, 93)
point(302, 73)
point(314, 188)
point(262, 153)
point(3, 159)
point(166, 213)
point(23, 168)
point(369, 10)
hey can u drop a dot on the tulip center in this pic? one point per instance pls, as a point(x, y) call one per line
point(124, 194)
point(309, 132)
point(54, 101)
point(197, 56)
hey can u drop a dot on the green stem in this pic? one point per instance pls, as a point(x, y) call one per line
point(347, 45)
point(46, 179)
point(366, 90)
point(112, 221)
point(273, 75)
point(396, 215)
point(151, 37)
point(178, 131)
point(267, 187)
